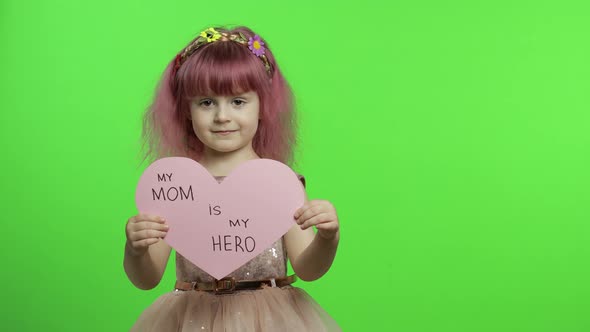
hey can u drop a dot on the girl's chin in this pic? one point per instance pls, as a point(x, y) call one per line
point(220, 148)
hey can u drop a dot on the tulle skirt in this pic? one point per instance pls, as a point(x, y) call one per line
point(267, 309)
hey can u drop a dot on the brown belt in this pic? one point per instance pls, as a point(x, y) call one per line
point(230, 285)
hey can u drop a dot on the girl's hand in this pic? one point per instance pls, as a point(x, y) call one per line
point(142, 231)
point(322, 215)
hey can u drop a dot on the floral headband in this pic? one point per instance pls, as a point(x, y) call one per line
point(210, 35)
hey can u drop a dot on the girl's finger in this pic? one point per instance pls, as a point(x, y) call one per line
point(309, 213)
point(140, 233)
point(149, 217)
point(150, 234)
point(317, 219)
point(328, 226)
point(143, 225)
point(302, 209)
point(147, 242)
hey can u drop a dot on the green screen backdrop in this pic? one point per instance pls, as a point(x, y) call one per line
point(452, 137)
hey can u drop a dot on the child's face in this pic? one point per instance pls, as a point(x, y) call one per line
point(226, 123)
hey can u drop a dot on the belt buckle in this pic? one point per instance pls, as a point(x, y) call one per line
point(228, 285)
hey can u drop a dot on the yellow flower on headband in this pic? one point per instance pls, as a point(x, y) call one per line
point(210, 34)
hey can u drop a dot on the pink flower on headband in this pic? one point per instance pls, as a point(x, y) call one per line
point(256, 45)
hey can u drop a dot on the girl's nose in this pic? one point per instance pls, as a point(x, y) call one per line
point(221, 115)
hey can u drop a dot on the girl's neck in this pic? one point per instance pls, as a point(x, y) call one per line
point(222, 163)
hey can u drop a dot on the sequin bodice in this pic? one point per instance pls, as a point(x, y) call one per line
point(270, 263)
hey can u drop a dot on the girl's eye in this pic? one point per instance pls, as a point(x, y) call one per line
point(206, 103)
point(209, 102)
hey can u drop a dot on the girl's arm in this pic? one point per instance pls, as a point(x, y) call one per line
point(145, 270)
point(311, 254)
point(146, 254)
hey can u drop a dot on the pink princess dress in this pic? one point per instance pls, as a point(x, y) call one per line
point(269, 308)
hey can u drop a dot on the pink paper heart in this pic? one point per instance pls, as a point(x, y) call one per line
point(221, 226)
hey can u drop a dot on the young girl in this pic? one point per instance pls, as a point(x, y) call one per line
point(223, 101)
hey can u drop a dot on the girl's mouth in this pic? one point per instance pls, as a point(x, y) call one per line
point(224, 132)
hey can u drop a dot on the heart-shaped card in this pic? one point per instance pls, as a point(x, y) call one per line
point(220, 226)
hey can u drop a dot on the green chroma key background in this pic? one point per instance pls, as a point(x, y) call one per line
point(453, 138)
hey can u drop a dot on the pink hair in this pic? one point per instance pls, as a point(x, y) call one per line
point(220, 68)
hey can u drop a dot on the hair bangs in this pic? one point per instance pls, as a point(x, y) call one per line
point(223, 68)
